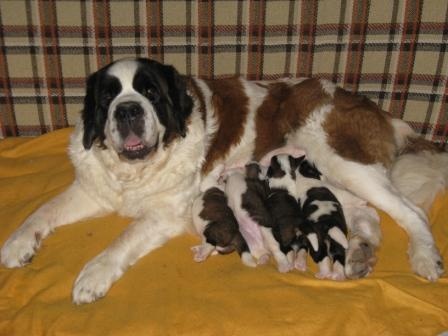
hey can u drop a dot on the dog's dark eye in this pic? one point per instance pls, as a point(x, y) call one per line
point(152, 95)
point(106, 98)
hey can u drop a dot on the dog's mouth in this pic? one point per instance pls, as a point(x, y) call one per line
point(134, 148)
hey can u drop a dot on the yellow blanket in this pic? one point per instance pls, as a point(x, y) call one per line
point(167, 293)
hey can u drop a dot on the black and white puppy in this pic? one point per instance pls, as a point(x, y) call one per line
point(324, 221)
point(215, 222)
point(284, 236)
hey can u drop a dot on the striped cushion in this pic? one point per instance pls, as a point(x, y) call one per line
point(391, 51)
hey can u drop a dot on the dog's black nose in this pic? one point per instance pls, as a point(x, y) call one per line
point(128, 111)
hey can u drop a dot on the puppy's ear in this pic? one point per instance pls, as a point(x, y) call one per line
point(275, 170)
point(308, 169)
point(253, 170)
point(88, 113)
point(295, 162)
point(182, 104)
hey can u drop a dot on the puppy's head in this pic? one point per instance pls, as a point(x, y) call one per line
point(254, 171)
point(283, 165)
point(136, 105)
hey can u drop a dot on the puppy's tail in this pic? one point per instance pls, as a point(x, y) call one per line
point(420, 171)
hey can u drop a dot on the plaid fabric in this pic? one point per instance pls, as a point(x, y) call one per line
point(392, 51)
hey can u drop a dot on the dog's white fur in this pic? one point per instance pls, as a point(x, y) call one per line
point(146, 190)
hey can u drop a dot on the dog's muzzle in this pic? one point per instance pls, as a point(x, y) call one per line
point(130, 120)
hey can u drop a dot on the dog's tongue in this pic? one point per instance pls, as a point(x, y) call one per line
point(132, 140)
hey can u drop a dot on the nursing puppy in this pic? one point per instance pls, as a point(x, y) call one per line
point(148, 136)
point(247, 194)
point(215, 222)
point(324, 222)
point(284, 237)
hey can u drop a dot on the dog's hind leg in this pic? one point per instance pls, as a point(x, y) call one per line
point(371, 183)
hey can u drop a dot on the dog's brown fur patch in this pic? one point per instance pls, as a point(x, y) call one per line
point(419, 144)
point(285, 109)
point(231, 108)
point(359, 130)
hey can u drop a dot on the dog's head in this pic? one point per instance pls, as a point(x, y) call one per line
point(137, 105)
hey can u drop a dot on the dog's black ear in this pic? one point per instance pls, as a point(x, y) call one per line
point(88, 112)
point(94, 116)
point(181, 102)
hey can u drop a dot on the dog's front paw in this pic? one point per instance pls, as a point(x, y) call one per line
point(426, 261)
point(95, 280)
point(20, 248)
point(360, 258)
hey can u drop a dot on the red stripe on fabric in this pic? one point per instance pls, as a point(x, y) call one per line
point(101, 14)
point(306, 39)
point(406, 57)
point(52, 64)
point(210, 39)
point(8, 110)
point(255, 50)
point(355, 57)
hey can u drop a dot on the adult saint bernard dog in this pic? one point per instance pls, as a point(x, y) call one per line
point(148, 136)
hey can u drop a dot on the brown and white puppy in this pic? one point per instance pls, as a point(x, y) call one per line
point(149, 135)
point(215, 222)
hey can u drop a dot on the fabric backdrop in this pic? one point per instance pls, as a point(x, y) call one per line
point(392, 51)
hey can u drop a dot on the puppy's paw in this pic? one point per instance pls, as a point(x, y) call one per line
point(337, 276)
point(323, 275)
point(426, 261)
point(360, 258)
point(201, 252)
point(285, 267)
point(95, 280)
point(20, 248)
point(263, 260)
point(248, 260)
point(300, 262)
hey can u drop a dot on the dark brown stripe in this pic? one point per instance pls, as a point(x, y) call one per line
point(340, 28)
point(406, 57)
point(7, 115)
point(442, 121)
point(289, 34)
point(52, 63)
point(205, 39)
point(393, 28)
point(356, 44)
point(256, 39)
point(37, 84)
point(101, 21)
point(230, 104)
point(306, 37)
point(136, 29)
